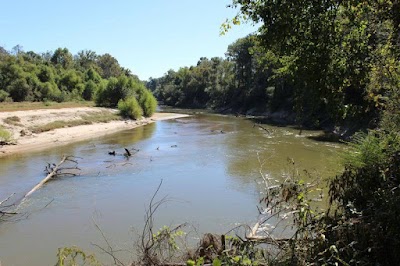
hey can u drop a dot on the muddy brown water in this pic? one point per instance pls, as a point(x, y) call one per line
point(209, 169)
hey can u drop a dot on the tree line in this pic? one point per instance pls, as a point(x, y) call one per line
point(334, 63)
point(328, 63)
point(60, 76)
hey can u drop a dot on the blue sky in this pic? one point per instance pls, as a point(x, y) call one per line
point(149, 37)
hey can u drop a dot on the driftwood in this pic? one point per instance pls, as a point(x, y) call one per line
point(54, 170)
point(128, 153)
point(263, 128)
point(4, 208)
point(252, 236)
point(1, 202)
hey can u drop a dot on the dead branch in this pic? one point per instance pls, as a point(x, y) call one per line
point(128, 153)
point(1, 202)
point(263, 128)
point(53, 171)
point(109, 251)
point(252, 236)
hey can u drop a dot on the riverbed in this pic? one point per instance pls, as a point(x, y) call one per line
point(209, 166)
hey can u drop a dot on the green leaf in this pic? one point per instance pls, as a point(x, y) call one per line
point(217, 262)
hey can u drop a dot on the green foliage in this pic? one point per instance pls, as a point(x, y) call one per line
point(115, 90)
point(334, 63)
point(3, 95)
point(148, 103)
point(58, 76)
point(90, 90)
point(166, 239)
point(62, 57)
point(73, 256)
point(5, 135)
point(108, 66)
point(130, 108)
point(368, 201)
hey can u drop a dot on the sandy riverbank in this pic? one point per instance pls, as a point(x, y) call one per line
point(26, 141)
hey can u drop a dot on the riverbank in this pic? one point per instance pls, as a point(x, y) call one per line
point(25, 127)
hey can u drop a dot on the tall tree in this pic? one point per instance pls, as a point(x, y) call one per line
point(62, 57)
point(109, 66)
point(328, 48)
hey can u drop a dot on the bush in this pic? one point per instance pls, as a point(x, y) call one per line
point(3, 95)
point(89, 91)
point(368, 199)
point(130, 108)
point(148, 103)
point(5, 135)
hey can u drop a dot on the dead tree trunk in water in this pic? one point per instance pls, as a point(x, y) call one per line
point(52, 171)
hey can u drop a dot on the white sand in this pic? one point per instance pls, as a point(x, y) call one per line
point(28, 141)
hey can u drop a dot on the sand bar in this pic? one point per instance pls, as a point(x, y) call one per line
point(25, 141)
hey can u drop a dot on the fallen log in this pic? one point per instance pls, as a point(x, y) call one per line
point(252, 236)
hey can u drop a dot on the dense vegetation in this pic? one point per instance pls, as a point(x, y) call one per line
point(332, 63)
point(342, 59)
point(59, 76)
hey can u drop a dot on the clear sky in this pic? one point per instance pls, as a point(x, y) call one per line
point(147, 36)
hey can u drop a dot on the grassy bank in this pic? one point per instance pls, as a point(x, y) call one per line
point(90, 118)
point(21, 106)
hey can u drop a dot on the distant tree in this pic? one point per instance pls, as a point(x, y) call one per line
point(17, 49)
point(46, 73)
point(62, 57)
point(86, 59)
point(47, 56)
point(109, 66)
point(93, 75)
point(71, 80)
point(3, 51)
point(90, 89)
point(20, 90)
point(32, 57)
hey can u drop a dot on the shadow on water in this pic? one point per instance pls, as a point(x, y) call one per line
point(328, 137)
point(129, 137)
point(325, 136)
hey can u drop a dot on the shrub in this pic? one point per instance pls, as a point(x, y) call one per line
point(148, 103)
point(89, 91)
point(130, 108)
point(5, 135)
point(3, 95)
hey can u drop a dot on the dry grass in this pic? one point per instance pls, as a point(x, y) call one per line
point(13, 120)
point(88, 119)
point(20, 106)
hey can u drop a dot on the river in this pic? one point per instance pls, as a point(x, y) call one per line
point(209, 168)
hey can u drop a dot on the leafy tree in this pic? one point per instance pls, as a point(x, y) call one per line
point(86, 59)
point(70, 80)
point(20, 90)
point(28, 76)
point(62, 57)
point(328, 49)
point(109, 66)
point(90, 90)
point(46, 74)
point(93, 75)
